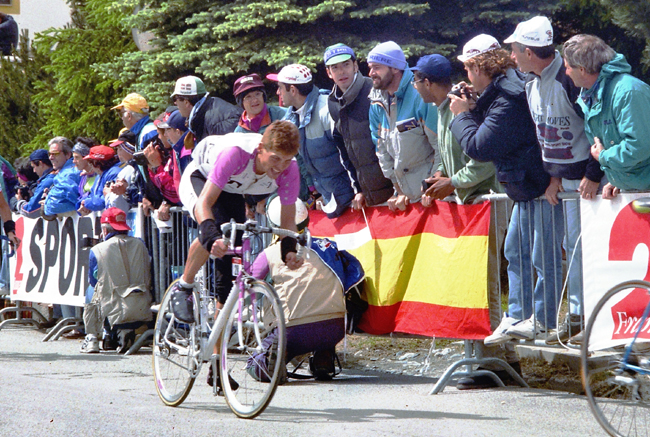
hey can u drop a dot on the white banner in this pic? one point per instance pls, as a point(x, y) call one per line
point(616, 248)
point(51, 264)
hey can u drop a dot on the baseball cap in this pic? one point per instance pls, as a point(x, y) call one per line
point(536, 32)
point(134, 102)
point(39, 155)
point(163, 116)
point(126, 141)
point(175, 121)
point(245, 83)
point(189, 86)
point(115, 217)
point(435, 66)
point(101, 153)
point(388, 53)
point(477, 46)
point(293, 74)
point(338, 53)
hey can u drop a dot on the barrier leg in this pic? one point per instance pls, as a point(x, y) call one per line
point(35, 321)
point(63, 326)
point(468, 361)
point(148, 334)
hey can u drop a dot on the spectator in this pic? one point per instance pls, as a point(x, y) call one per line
point(26, 181)
point(8, 34)
point(106, 166)
point(311, 295)
point(349, 106)
point(7, 222)
point(175, 132)
point(87, 174)
point(205, 115)
point(124, 192)
point(42, 166)
point(319, 158)
point(615, 107)
point(250, 94)
point(402, 126)
point(161, 174)
point(64, 192)
point(461, 178)
point(118, 268)
point(566, 154)
point(484, 131)
point(134, 112)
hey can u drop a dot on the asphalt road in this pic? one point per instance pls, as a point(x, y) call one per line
point(51, 389)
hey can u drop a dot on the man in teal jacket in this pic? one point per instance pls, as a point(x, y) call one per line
point(615, 105)
point(403, 127)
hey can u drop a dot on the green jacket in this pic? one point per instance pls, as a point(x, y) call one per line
point(616, 111)
point(471, 178)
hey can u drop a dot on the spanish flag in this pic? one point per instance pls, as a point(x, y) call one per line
point(426, 268)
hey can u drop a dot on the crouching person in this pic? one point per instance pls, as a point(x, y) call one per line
point(311, 291)
point(119, 269)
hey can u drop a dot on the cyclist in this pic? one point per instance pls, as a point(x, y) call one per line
point(225, 167)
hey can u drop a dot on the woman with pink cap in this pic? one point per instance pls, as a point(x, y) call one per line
point(250, 94)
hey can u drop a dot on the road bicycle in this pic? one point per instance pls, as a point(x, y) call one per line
point(616, 359)
point(251, 313)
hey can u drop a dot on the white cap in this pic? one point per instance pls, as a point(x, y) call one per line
point(189, 86)
point(293, 74)
point(478, 45)
point(536, 32)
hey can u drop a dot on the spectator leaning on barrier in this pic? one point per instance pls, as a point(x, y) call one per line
point(27, 178)
point(134, 112)
point(460, 179)
point(107, 166)
point(552, 99)
point(161, 173)
point(319, 158)
point(498, 128)
point(64, 192)
point(205, 115)
point(124, 191)
point(403, 127)
point(119, 269)
point(8, 34)
point(40, 162)
point(349, 106)
point(175, 132)
point(615, 105)
point(250, 94)
point(87, 175)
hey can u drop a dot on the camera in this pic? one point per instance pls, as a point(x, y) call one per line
point(140, 159)
point(460, 90)
point(89, 242)
point(425, 185)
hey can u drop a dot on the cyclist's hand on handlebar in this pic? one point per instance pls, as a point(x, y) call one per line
point(293, 261)
point(219, 248)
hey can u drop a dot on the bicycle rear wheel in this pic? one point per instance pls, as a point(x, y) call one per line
point(176, 349)
point(619, 395)
point(253, 351)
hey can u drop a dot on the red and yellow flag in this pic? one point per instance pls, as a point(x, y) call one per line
point(426, 268)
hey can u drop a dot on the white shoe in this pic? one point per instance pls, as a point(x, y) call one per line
point(90, 345)
point(500, 336)
point(529, 329)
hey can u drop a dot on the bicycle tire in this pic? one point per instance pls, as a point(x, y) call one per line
point(620, 401)
point(252, 395)
point(176, 351)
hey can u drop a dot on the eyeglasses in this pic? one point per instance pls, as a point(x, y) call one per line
point(178, 99)
point(253, 95)
point(53, 153)
point(413, 82)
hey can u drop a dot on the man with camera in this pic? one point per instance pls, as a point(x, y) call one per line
point(402, 126)
point(42, 166)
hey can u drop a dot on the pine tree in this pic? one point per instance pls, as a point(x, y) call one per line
point(221, 40)
point(18, 76)
point(78, 103)
point(634, 17)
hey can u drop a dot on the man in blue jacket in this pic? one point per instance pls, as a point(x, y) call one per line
point(403, 127)
point(40, 162)
point(64, 192)
point(615, 105)
point(318, 157)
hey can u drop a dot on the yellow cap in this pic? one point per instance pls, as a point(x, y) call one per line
point(135, 103)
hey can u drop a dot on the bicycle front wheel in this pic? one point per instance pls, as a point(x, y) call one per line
point(618, 390)
point(252, 351)
point(176, 351)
